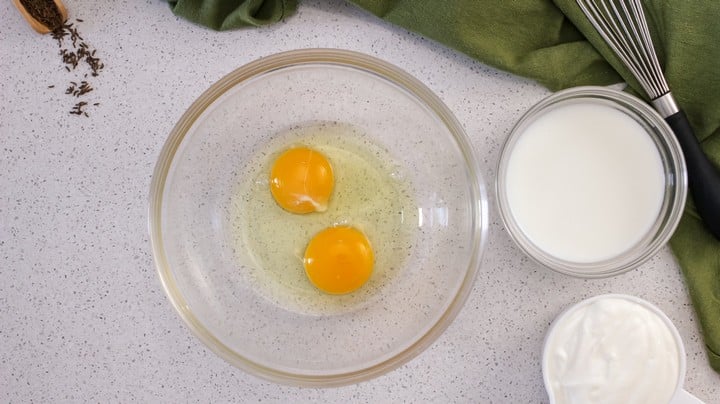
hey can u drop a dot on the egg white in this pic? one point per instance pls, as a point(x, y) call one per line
point(369, 194)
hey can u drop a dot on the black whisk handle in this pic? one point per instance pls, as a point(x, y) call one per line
point(703, 176)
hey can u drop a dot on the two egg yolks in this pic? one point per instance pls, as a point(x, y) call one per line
point(338, 259)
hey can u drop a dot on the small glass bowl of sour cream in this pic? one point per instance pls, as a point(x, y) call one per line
point(614, 348)
point(591, 182)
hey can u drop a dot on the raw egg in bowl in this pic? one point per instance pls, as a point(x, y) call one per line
point(317, 217)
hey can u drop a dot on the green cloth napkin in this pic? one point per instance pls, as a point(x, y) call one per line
point(230, 14)
point(552, 43)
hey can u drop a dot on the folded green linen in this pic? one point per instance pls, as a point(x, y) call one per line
point(553, 43)
point(230, 14)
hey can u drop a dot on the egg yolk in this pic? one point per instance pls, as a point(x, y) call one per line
point(339, 260)
point(301, 180)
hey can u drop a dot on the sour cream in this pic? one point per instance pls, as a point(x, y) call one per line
point(584, 182)
point(613, 349)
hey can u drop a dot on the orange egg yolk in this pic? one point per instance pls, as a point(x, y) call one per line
point(339, 260)
point(301, 180)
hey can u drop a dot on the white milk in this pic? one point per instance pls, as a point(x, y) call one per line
point(611, 350)
point(585, 182)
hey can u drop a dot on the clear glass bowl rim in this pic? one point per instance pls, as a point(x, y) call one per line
point(666, 224)
point(345, 58)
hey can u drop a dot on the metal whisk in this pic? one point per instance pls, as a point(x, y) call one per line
point(623, 26)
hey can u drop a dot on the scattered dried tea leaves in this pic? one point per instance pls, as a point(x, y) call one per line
point(78, 109)
point(74, 51)
point(77, 90)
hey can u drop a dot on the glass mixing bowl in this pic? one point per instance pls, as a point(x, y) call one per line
point(269, 321)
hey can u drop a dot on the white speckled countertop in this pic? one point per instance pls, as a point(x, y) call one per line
point(83, 316)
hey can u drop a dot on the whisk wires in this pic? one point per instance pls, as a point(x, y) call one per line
point(623, 26)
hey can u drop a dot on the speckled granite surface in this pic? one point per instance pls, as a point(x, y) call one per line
point(82, 313)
